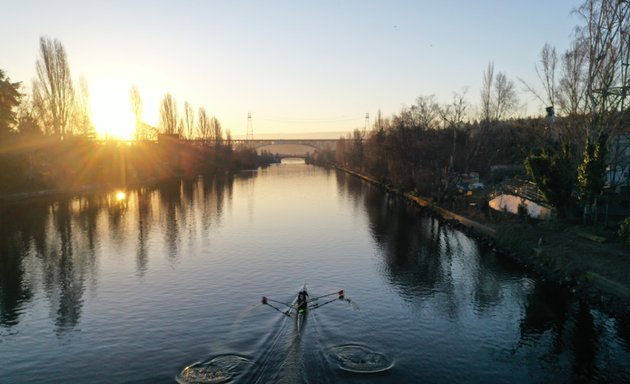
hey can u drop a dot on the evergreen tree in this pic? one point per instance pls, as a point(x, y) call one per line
point(9, 100)
point(591, 175)
point(554, 174)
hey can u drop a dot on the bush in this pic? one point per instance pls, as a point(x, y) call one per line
point(522, 211)
point(624, 231)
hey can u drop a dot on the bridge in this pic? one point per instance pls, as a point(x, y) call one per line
point(280, 147)
point(288, 147)
point(518, 195)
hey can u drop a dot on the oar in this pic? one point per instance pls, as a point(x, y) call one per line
point(340, 293)
point(265, 301)
point(275, 301)
point(317, 305)
point(341, 297)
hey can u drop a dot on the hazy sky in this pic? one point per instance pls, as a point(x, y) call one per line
point(295, 65)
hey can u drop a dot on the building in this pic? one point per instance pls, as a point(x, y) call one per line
point(618, 177)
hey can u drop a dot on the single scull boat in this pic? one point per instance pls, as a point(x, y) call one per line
point(299, 307)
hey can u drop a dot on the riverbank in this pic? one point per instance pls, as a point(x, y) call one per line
point(592, 266)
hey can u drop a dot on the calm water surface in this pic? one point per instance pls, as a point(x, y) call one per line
point(98, 289)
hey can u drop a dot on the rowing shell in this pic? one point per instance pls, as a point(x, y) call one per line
point(299, 314)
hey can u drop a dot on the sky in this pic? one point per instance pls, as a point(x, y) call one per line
point(296, 66)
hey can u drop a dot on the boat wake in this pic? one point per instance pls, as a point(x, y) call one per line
point(293, 352)
point(360, 359)
point(220, 369)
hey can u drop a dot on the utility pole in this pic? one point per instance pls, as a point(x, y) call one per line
point(249, 136)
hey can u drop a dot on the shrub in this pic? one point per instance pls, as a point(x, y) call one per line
point(624, 231)
point(522, 211)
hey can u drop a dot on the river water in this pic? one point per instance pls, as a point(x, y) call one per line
point(164, 284)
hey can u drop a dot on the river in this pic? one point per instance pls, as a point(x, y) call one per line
point(164, 283)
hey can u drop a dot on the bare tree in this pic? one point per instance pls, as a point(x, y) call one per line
point(228, 139)
point(546, 72)
point(217, 131)
point(498, 95)
point(53, 93)
point(180, 127)
point(81, 121)
point(380, 122)
point(136, 109)
point(188, 120)
point(204, 130)
point(605, 37)
point(168, 115)
point(572, 86)
point(506, 100)
point(454, 114)
point(426, 112)
point(486, 93)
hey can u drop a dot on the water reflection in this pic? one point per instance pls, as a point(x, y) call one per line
point(429, 263)
point(17, 230)
point(441, 305)
point(57, 245)
point(552, 312)
point(144, 220)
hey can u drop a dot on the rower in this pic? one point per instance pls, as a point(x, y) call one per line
point(302, 303)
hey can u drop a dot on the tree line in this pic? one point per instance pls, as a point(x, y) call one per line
point(47, 136)
point(572, 153)
point(185, 124)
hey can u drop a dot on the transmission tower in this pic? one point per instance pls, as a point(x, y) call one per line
point(249, 136)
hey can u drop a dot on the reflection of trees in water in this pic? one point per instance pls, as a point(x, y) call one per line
point(423, 256)
point(413, 246)
point(214, 192)
point(488, 279)
point(170, 201)
point(341, 178)
point(47, 235)
point(623, 330)
point(62, 239)
point(553, 311)
point(585, 344)
point(143, 201)
point(546, 310)
point(64, 270)
point(19, 227)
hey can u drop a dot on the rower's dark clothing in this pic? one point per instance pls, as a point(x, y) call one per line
point(301, 301)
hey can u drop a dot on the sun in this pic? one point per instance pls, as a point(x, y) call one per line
point(111, 115)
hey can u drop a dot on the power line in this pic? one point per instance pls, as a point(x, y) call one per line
point(310, 121)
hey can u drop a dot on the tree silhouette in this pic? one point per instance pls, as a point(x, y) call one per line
point(204, 129)
point(136, 109)
point(168, 115)
point(53, 93)
point(188, 120)
point(498, 95)
point(81, 120)
point(9, 100)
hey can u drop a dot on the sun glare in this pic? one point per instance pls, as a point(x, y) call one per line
point(112, 117)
